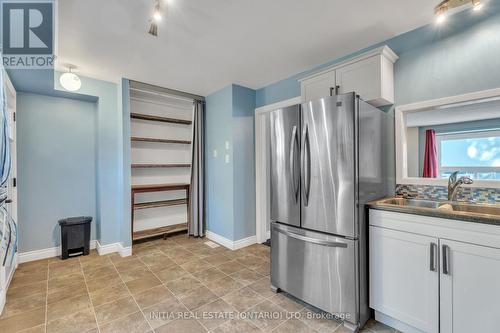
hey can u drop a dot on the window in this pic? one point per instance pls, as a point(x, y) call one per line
point(475, 154)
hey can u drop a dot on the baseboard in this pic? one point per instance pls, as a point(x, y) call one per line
point(45, 253)
point(112, 248)
point(230, 244)
point(394, 323)
point(125, 251)
point(108, 248)
point(51, 252)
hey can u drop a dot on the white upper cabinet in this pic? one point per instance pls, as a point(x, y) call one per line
point(371, 75)
point(318, 86)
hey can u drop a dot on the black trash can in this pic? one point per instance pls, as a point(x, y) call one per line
point(75, 236)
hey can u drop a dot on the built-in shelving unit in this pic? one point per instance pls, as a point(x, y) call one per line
point(143, 234)
point(180, 142)
point(163, 203)
point(160, 119)
point(145, 166)
point(161, 134)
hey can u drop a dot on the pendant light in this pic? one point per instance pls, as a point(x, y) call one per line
point(70, 81)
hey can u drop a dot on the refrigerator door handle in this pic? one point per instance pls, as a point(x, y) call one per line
point(306, 167)
point(311, 240)
point(294, 142)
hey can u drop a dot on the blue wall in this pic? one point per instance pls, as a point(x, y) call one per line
point(435, 61)
point(230, 186)
point(109, 157)
point(243, 162)
point(111, 223)
point(57, 166)
point(218, 173)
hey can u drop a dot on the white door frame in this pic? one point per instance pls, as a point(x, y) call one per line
point(262, 197)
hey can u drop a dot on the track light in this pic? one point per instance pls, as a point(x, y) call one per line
point(153, 29)
point(157, 17)
point(441, 10)
point(477, 5)
point(157, 12)
point(440, 18)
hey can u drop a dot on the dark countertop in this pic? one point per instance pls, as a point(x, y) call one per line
point(439, 213)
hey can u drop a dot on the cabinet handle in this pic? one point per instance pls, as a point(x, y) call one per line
point(446, 259)
point(331, 91)
point(433, 257)
point(337, 88)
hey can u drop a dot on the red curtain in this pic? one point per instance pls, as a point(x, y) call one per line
point(430, 157)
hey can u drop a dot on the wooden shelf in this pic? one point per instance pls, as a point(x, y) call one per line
point(160, 187)
point(163, 203)
point(160, 119)
point(150, 166)
point(159, 231)
point(140, 139)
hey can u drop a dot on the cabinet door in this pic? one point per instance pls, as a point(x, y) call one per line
point(404, 277)
point(470, 288)
point(318, 86)
point(365, 77)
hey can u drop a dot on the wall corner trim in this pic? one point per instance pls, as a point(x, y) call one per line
point(114, 248)
point(230, 244)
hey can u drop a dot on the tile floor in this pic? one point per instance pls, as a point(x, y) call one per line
point(173, 285)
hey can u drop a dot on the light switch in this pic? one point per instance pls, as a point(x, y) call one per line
point(215, 153)
point(227, 158)
point(227, 145)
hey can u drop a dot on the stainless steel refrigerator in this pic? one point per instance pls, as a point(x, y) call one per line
point(327, 160)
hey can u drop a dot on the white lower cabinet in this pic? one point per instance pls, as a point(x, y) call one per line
point(431, 275)
point(470, 288)
point(404, 277)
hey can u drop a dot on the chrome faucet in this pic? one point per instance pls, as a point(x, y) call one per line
point(454, 185)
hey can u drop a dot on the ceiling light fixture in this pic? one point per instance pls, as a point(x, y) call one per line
point(477, 5)
point(157, 13)
point(70, 81)
point(157, 17)
point(446, 5)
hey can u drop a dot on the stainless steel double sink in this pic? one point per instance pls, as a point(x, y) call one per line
point(451, 207)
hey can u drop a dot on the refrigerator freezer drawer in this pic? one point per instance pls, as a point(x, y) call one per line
point(316, 268)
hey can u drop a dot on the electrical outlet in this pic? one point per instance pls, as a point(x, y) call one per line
point(227, 158)
point(227, 145)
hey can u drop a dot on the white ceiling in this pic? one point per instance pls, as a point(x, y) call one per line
point(204, 45)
